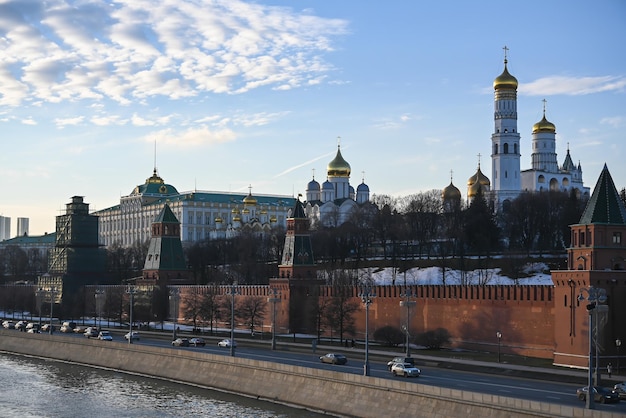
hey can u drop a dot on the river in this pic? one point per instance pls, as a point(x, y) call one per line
point(32, 387)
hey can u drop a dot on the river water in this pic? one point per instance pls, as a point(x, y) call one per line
point(31, 387)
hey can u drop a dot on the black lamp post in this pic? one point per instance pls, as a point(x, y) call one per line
point(499, 336)
point(595, 296)
point(274, 299)
point(366, 297)
point(131, 292)
point(618, 344)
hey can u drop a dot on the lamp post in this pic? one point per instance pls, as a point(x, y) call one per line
point(131, 292)
point(618, 344)
point(40, 294)
point(595, 296)
point(499, 336)
point(233, 292)
point(366, 297)
point(174, 298)
point(52, 291)
point(274, 300)
point(100, 296)
point(407, 303)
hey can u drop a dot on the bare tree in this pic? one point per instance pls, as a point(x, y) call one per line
point(252, 311)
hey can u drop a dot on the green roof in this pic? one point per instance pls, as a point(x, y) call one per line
point(605, 205)
point(32, 240)
point(166, 216)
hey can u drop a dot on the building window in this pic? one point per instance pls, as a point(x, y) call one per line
point(506, 148)
point(617, 237)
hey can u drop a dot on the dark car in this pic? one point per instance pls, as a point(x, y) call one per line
point(620, 388)
point(401, 360)
point(600, 394)
point(197, 342)
point(334, 358)
point(181, 342)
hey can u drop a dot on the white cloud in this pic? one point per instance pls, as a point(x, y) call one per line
point(615, 121)
point(554, 85)
point(62, 122)
point(29, 121)
point(191, 137)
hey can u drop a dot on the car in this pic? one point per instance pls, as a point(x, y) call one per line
point(33, 328)
point(620, 388)
point(334, 358)
point(105, 336)
point(197, 342)
point(8, 324)
point(90, 332)
point(181, 342)
point(402, 360)
point(78, 329)
point(21, 325)
point(405, 369)
point(68, 326)
point(47, 327)
point(133, 337)
point(600, 394)
point(227, 343)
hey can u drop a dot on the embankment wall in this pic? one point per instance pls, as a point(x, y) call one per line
point(335, 393)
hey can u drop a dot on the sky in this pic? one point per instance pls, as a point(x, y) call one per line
point(240, 95)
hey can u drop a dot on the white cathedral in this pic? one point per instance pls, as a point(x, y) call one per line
point(509, 180)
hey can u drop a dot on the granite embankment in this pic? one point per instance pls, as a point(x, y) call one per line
point(334, 393)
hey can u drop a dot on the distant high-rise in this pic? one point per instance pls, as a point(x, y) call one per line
point(22, 227)
point(5, 228)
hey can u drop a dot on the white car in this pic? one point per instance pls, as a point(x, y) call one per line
point(226, 343)
point(405, 369)
point(105, 336)
point(134, 337)
point(91, 332)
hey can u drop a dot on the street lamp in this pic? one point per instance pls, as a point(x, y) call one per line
point(40, 294)
point(618, 344)
point(100, 296)
point(366, 297)
point(499, 336)
point(52, 291)
point(595, 296)
point(174, 298)
point(131, 292)
point(407, 303)
point(233, 292)
point(274, 300)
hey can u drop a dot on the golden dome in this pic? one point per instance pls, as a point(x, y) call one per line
point(218, 220)
point(505, 80)
point(338, 167)
point(479, 178)
point(273, 218)
point(235, 210)
point(472, 191)
point(544, 125)
point(245, 211)
point(236, 218)
point(249, 200)
point(451, 192)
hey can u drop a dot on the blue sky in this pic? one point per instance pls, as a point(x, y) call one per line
point(241, 93)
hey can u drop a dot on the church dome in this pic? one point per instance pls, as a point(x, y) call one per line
point(361, 188)
point(505, 80)
point(479, 178)
point(313, 186)
point(338, 167)
point(328, 185)
point(451, 192)
point(154, 185)
point(544, 125)
point(249, 200)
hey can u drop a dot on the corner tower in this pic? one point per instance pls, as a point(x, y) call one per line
point(505, 140)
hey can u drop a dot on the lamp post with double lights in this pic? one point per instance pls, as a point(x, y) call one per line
point(233, 292)
point(499, 336)
point(595, 297)
point(366, 297)
point(274, 299)
point(132, 291)
point(52, 292)
point(40, 294)
point(407, 303)
point(618, 344)
point(100, 296)
point(174, 298)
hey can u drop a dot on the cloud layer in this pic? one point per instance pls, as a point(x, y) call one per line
point(132, 50)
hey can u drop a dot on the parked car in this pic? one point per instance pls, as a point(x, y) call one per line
point(90, 332)
point(46, 327)
point(197, 342)
point(33, 328)
point(105, 336)
point(8, 324)
point(21, 325)
point(402, 360)
point(620, 388)
point(68, 326)
point(405, 369)
point(334, 358)
point(78, 329)
point(227, 343)
point(133, 337)
point(181, 342)
point(600, 394)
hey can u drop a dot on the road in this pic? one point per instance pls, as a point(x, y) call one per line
point(509, 386)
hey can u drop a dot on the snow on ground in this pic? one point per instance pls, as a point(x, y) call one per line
point(434, 276)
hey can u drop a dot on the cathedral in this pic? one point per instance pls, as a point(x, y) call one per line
point(508, 180)
point(332, 203)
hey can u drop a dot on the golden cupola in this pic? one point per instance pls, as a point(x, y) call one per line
point(544, 125)
point(479, 178)
point(505, 80)
point(451, 192)
point(338, 167)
